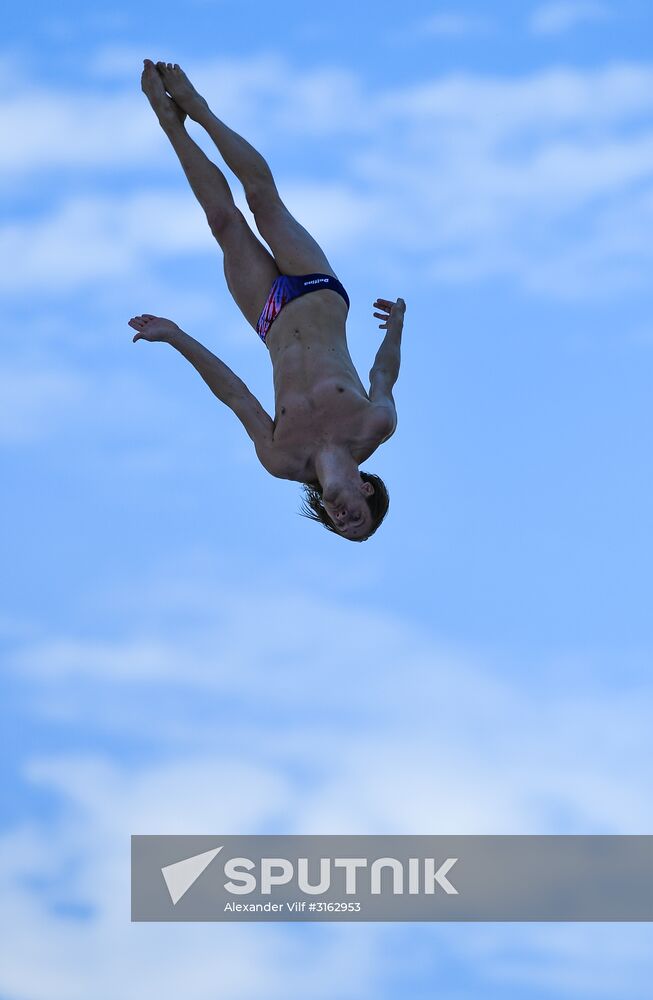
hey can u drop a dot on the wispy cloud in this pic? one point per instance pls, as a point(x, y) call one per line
point(402, 673)
point(264, 745)
point(88, 240)
point(540, 179)
point(533, 180)
point(92, 238)
point(558, 17)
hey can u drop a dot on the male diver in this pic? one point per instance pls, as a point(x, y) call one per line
point(325, 422)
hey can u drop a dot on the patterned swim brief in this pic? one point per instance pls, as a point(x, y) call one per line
point(288, 287)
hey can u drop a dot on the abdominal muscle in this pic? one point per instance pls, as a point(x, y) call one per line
point(319, 397)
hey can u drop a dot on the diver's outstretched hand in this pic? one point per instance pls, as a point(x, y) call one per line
point(393, 312)
point(153, 328)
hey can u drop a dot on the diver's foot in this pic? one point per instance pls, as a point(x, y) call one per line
point(167, 111)
point(182, 90)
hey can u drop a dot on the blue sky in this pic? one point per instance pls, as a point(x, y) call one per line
point(182, 652)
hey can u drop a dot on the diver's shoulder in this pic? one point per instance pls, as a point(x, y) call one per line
point(282, 463)
point(381, 420)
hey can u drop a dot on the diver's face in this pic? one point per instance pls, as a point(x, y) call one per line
point(350, 513)
point(352, 522)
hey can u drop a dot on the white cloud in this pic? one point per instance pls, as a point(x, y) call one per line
point(339, 214)
point(531, 107)
point(90, 239)
point(402, 677)
point(541, 180)
point(428, 739)
point(75, 130)
point(273, 104)
point(557, 17)
point(49, 955)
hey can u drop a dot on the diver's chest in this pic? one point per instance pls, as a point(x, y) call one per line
point(331, 404)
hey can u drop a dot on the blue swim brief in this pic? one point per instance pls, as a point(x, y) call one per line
point(288, 287)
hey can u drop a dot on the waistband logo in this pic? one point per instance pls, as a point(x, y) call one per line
point(316, 281)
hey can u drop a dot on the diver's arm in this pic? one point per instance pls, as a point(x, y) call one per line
point(385, 370)
point(227, 386)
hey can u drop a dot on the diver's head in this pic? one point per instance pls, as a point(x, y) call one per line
point(354, 510)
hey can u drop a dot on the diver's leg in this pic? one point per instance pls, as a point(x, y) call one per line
point(294, 249)
point(208, 183)
point(240, 156)
point(249, 267)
